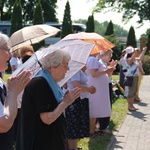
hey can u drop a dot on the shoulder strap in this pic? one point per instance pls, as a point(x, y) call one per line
point(134, 71)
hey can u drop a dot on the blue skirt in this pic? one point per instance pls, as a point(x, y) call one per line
point(77, 117)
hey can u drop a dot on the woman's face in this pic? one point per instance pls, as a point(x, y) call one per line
point(58, 73)
point(107, 57)
point(4, 57)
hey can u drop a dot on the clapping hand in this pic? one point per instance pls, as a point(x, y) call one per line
point(113, 63)
point(17, 83)
point(72, 95)
point(92, 89)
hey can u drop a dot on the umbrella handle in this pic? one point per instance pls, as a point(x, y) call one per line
point(39, 63)
point(38, 60)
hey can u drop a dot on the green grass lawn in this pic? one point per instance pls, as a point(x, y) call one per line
point(6, 76)
point(115, 77)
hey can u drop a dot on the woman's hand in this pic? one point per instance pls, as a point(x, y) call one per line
point(113, 63)
point(92, 89)
point(110, 69)
point(144, 48)
point(18, 83)
point(71, 96)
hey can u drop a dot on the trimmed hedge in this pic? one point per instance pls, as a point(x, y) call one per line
point(146, 64)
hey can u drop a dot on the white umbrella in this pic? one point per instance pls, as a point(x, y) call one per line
point(31, 35)
point(79, 51)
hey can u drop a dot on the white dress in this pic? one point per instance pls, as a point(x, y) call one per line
point(99, 103)
point(15, 62)
point(2, 113)
point(81, 77)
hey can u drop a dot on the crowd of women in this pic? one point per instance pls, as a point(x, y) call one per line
point(54, 117)
point(131, 65)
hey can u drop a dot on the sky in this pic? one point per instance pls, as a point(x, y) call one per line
point(81, 9)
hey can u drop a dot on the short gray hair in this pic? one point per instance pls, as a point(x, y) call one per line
point(4, 42)
point(102, 53)
point(55, 58)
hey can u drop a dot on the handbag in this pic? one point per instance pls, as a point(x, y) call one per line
point(129, 79)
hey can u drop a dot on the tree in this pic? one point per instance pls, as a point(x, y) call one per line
point(116, 50)
point(49, 7)
point(67, 23)
point(90, 27)
point(8, 6)
point(131, 39)
point(109, 35)
point(38, 14)
point(129, 8)
point(100, 28)
point(148, 40)
point(28, 7)
point(1, 9)
point(38, 19)
point(28, 10)
point(16, 19)
point(110, 29)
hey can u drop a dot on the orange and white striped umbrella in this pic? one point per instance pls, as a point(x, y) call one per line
point(102, 44)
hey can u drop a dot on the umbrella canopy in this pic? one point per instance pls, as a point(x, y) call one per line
point(31, 35)
point(79, 51)
point(101, 42)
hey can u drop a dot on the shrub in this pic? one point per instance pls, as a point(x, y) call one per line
point(146, 64)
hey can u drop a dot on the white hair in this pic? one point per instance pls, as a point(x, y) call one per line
point(4, 42)
point(102, 53)
point(55, 58)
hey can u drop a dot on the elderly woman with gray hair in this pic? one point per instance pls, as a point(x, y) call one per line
point(105, 60)
point(8, 95)
point(99, 103)
point(42, 124)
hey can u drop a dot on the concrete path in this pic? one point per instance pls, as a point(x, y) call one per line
point(134, 133)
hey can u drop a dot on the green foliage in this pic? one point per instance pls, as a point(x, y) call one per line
point(90, 24)
point(146, 64)
point(38, 19)
point(6, 76)
point(129, 8)
point(67, 23)
point(49, 7)
point(116, 49)
point(148, 41)
point(109, 35)
point(38, 14)
point(131, 39)
point(100, 28)
point(16, 18)
point(28, 7)
point(110, 29)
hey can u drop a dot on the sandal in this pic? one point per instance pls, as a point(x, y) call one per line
point(100, 133)
point(137, 100)
point(105, 130)
point(132, 109)
point(78, 148)
point(96, 134)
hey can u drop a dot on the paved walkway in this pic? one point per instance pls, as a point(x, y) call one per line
point(134, 133)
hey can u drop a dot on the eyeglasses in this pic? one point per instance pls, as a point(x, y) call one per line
point(64, 65)
point(4, 49)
